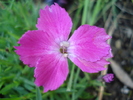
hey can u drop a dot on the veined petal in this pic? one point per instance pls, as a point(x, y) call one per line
point(89, 43)
point(51, 71)
point(55, 21)
point(33, 45)
point(87, 66)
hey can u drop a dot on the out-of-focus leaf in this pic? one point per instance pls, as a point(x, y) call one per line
point(10, 98)
point(28, 87)
point(38, 94)
point(1, 83)
point(6, 89)
point(21, 90)
point(121, 74)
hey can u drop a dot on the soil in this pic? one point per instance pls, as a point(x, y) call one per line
point(122, 48)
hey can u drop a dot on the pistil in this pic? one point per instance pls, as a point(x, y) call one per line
point(63, 48)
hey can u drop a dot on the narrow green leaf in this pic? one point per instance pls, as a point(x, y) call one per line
point(38, 94)
point(85, 12)
point(6, 89)
point(10, 98)
point(71, 78)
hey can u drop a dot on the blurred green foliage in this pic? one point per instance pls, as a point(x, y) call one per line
point(16, 79)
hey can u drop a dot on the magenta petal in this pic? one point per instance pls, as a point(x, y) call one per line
point(55, 21)
point(89, 43)
point(51, 71)
point(87, 66)
point(33, 45)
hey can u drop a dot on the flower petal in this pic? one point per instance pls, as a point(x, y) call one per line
point(33, 45)
point(51, 71)
point(89, 43)
point(55, 21)
point(87, 66)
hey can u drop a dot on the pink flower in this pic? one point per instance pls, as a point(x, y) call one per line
point(108, 78)
point(48, 48)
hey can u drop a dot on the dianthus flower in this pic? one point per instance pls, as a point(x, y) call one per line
point(108, 78)
point(48, 48)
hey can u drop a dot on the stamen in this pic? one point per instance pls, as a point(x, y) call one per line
point(65, 55)
point(63, 48)
point(64, 44)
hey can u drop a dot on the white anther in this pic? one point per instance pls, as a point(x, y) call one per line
point(65, 55)
point(64, 43)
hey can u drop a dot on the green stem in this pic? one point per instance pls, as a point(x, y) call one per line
point(85, 12)
point(75, 82)
point(38, 94)
point(11, 4)
point(96, 10)
point(71, 78)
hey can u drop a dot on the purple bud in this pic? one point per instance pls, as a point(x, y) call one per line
point(108, 78)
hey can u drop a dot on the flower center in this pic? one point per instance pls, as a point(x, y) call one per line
point(63, 48)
